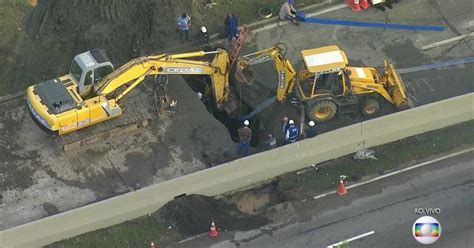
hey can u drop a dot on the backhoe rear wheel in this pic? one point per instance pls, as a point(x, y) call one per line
point(370, 107)
point(321, 111)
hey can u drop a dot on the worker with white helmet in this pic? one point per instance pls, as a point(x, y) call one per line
point(203, 36)
point(311, 130)
point(291, 133)
point(245, 136)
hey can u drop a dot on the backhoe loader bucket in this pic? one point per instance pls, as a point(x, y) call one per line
point(396, 88)
point(243, 73)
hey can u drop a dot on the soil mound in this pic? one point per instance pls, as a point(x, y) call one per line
point(193, 214)
point(56, 30)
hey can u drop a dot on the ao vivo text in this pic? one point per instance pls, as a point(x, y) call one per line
point(429, 211)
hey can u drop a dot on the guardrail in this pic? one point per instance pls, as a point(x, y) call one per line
point(242, 173)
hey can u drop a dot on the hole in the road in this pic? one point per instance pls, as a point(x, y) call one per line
point(202, 84)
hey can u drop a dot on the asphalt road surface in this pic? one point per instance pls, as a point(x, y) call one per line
point(30, 170)
point(385, 207)
point(371, 46)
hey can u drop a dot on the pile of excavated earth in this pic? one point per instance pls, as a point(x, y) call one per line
point(55, 31)
point(190, 215)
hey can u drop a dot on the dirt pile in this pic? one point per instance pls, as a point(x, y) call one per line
point(192, 215)
point(56, 30)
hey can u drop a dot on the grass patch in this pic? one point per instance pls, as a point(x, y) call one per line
point(135, 233)
point(390, 157)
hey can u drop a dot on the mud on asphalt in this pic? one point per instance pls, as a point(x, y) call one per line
point(37, 180)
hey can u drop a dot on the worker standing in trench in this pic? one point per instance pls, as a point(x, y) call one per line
point(311, 130)
point(245, 136)
point(202, 37)
point(291, 133)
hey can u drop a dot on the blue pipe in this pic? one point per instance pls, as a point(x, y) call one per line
point(301, 16)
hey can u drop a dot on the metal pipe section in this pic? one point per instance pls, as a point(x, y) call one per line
point(192, 54)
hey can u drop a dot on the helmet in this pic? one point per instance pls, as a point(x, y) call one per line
point(291, 1)
point(199, 95)
point(203, 29)
point(246, 122)
point(291, 122)
point(311, 123)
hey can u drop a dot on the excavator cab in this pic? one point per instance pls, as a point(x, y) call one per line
point(89, 68)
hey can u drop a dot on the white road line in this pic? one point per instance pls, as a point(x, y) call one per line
point(191, 238)
point(439, 43)
point(324, 195)
point(351, 239)
point(281, 23)
point(398, 171)
point(330, 9)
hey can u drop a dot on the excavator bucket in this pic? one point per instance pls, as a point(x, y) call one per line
point(243, 73)
point(396, 88)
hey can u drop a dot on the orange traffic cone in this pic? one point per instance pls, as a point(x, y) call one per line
point(354, 5)
point(341, 190)
point(152, 244)
point(364, 4)
point(213, 231)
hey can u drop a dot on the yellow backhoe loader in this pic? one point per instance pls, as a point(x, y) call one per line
point(326, 85)
point(91, 92)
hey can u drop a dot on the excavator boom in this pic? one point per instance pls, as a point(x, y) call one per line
point(135, 71)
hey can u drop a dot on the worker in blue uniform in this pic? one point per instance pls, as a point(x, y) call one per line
point(291, 133)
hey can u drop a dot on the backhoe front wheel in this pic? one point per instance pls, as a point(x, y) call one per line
point(370, 107)
point(321, 111)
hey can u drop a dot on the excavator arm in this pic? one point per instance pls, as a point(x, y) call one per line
point(285, 70)
point(120, 82)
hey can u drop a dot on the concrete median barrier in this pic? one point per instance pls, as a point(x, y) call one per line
point(241, 173)
point(418, 120)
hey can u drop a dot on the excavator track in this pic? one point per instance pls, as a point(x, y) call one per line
point(99, 133)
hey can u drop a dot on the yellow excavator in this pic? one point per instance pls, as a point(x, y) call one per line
point(91, 92)
point(325, 84)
